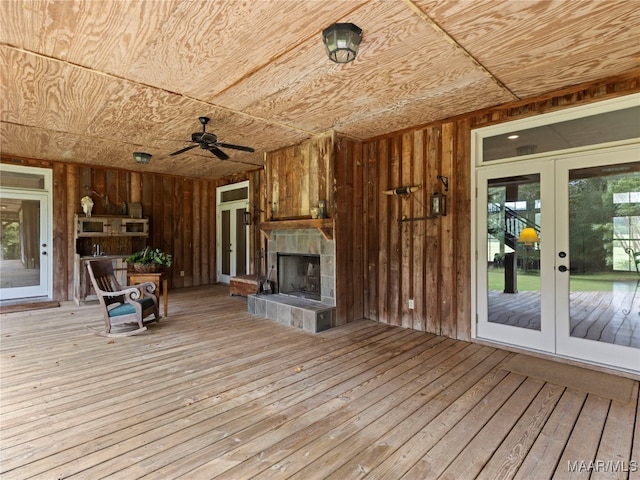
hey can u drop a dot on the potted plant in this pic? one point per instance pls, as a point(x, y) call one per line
point(150, 260)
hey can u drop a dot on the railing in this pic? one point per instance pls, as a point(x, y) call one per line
point(514, 223)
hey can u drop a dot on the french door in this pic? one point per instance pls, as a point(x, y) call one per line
point(555, 269)
point(25, 253)
point(233, 234)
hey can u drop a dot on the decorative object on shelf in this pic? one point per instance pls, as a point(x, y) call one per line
point(150, 260)
point(87, 205)
point(402, 190)
point(314, 212)
point(322, 209)
point(142, 157)
point(342, 41)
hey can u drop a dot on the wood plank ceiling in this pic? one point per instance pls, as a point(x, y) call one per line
point(92, 81)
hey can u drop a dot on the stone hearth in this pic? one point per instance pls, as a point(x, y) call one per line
point(311, 315)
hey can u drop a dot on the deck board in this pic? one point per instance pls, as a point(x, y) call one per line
point(213, 392)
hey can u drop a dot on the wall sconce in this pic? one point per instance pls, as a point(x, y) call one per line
point(528, 236)
point(438, 205)
point(246, 218)
point(342, 41)
point(142, 157)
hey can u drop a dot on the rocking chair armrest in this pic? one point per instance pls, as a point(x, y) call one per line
point(147, 287)
point(131, 293)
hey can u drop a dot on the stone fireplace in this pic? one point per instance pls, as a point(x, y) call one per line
point(299, 275)
point(301, 264)
point(306, 243)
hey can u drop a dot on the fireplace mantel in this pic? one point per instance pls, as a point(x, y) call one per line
point(325, 225)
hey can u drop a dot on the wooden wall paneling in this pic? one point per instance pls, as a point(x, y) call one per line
point(279, 185)
point(420, 210)
point(432, 250)
point(146, 196)
point(295, 175)
point(196, 221)
point(371, 230)
point(448, 236)
point(167, 218)
point(124, 190)
point(342, 235)
point(384, 202)
point(327, 149)
point(314, 175)
point(463, 253)
point(186, 233)
point(65, 191)
point(205, 245)
point(286, 174)
point(269, 187)
point(99, 184)
point(136, 187)
point(358, 237)
point(394, 249)
point(406, 233)
point(212, 234)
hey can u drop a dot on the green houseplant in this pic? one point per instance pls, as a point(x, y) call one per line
point(150, 260)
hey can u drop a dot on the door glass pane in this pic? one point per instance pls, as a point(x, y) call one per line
point(604, 242)
point(241, 243)
point(20, 243)
point(226, 242)
point(513, 242)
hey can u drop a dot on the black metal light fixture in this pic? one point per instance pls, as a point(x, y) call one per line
point(142, 157)
point(342, 41)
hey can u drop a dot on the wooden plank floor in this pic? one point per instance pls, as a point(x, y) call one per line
point(213, 392)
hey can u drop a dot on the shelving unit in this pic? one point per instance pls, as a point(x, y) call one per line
point(117, 238)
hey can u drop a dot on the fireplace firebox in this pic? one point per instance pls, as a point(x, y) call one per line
point(299, 275)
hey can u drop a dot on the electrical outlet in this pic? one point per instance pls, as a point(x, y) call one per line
point(182, 273)
point(411, 304)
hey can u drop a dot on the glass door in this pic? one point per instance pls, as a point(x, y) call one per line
point(597, 238)
point(557, 242)
point(515, 255)
point(233, 234)
point(24, 244)
point(233, 241)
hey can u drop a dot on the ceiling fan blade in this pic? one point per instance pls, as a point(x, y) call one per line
point(236, 147)
point(182, 150)
point(218, 153)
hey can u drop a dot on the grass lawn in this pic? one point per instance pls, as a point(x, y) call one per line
point(598, 282)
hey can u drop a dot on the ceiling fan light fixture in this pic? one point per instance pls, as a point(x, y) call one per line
point(142, 157)
point(342, 41)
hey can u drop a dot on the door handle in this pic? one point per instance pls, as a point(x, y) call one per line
point(44, 253)
point(563, 268)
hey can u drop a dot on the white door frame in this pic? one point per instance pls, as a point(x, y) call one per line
point(593, 351)
point(543, 339)
point(615, 356)
point(231, 205)
point(44, 196)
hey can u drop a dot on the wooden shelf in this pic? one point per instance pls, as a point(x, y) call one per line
point(325, 225)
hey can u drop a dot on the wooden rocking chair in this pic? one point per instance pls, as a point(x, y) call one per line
point(122, 305)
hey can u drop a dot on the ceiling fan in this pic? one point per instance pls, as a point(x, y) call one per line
point(209, 141)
